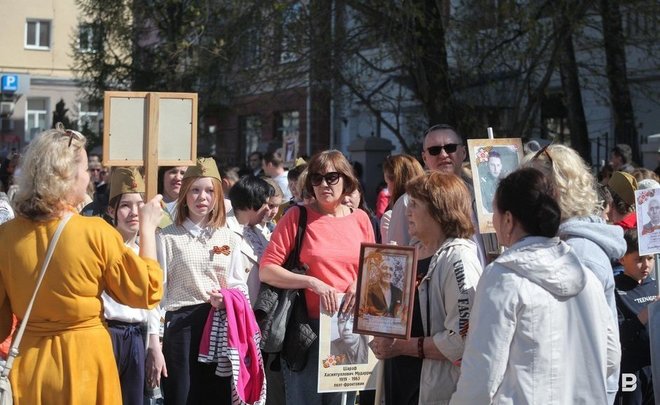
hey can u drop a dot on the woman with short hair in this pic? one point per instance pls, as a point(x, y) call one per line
point(425, 368)
point(541, 331)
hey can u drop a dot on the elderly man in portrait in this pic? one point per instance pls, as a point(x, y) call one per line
point(349, 347)
point(654, 217)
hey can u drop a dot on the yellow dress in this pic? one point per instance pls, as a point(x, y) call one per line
point(66, 354)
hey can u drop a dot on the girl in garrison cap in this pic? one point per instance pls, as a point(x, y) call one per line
point(196, 254)
point(124, 322)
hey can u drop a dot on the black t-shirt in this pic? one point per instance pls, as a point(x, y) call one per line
point(631, 298)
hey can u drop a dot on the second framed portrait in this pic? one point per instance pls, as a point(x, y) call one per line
point(490, 161)
point(385, 290)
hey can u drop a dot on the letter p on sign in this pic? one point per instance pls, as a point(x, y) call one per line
point(628, 382)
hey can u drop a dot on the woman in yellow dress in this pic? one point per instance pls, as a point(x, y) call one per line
point(66, 354)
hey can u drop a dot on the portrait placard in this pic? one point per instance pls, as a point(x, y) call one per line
point(490, 161)
point(346, 362)
point(290, 144)
point(647, 204)
point(385, 290)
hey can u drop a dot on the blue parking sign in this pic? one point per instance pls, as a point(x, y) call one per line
point(9, 83)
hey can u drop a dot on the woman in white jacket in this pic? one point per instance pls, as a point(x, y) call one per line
point(424, 370)
point(541, 331)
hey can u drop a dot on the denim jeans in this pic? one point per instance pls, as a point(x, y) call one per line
point(301, 387)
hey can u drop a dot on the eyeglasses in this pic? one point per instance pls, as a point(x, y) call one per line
point(331, 178)
point(436, 150)
point(71, 134)
point(544, 150)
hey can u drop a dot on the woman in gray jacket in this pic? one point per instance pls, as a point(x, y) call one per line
point(425, 368)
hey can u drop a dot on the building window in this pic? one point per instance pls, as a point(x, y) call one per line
point(35, 117)
point(287, 123)
point(89, 38)
point(290, 43)
point(37, 34)
point(250, 128)
point(250, 52)
point(89, 117)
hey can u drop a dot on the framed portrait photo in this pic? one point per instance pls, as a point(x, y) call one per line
point(346, 362)
point(490, 161)
point(647, 205)
point(385, 290)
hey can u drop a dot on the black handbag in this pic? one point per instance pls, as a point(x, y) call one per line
point(275, 309)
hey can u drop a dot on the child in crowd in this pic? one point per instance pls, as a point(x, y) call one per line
point(634, 291)
point(125, 323)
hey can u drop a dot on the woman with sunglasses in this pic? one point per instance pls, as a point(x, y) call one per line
point(596, 243)
point(66, 352)
point(331, 250)
point(540, 329)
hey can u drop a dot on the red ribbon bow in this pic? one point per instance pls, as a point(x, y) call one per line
point(224, 250)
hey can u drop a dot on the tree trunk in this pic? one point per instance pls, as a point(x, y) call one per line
point(570, 84)
point(617, 76)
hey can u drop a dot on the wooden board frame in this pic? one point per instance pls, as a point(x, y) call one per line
point(146, 125)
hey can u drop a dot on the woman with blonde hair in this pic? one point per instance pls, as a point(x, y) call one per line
point(536, 306)
point(397, 170)
point(595, 242)
point(425, 368)
point(66, 352)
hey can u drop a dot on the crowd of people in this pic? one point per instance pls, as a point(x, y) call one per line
point(155, 301)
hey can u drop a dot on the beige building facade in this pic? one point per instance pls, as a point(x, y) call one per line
point(35, 68)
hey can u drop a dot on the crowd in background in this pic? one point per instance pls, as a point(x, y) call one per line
point(556, 316)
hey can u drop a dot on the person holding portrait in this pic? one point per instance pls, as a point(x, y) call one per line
point(426, 368)
point(331, 251)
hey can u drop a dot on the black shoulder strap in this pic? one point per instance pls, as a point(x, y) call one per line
point(300, 234)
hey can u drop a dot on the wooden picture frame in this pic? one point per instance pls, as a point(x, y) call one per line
point(139, 123)
point(383, 264)
point(490, 161)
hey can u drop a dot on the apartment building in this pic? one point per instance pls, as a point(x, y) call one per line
point(35, 68)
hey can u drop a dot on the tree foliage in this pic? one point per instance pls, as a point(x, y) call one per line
point(410, 63)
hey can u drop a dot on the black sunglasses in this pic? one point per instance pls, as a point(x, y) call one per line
point(436, 150)
point(331, 178)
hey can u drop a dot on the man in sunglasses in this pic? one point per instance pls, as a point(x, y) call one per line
point(443, 151)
